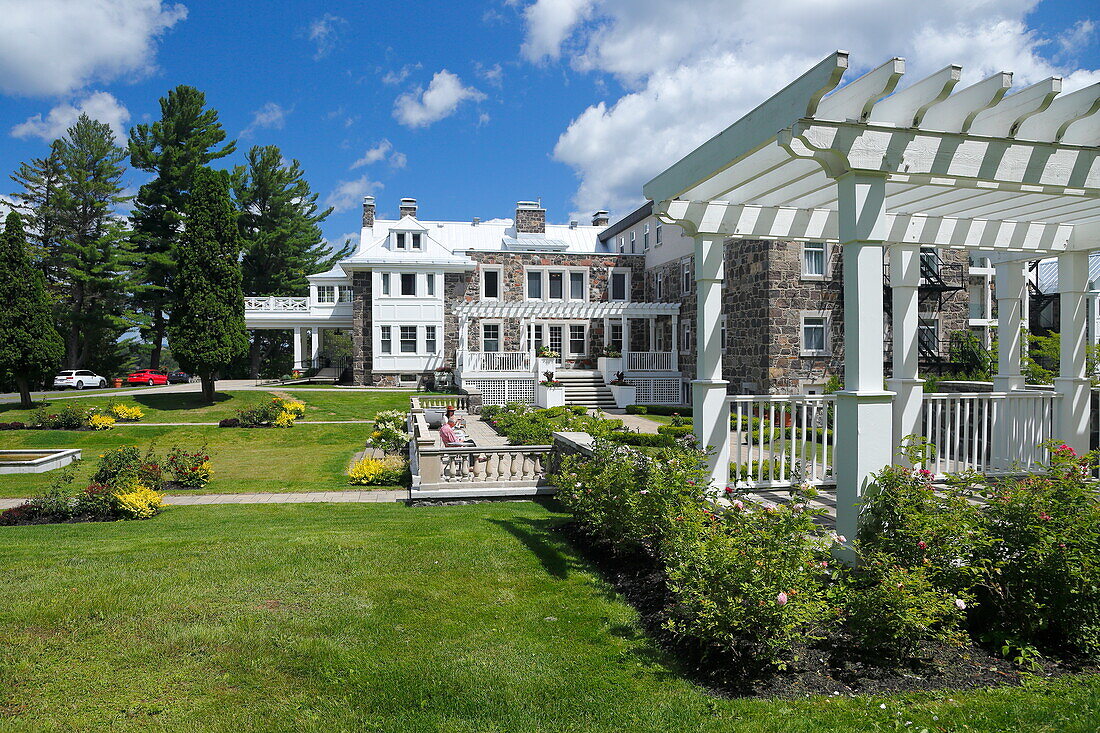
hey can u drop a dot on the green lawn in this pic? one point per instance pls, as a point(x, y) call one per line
point(302, 458)
point(381, 618)
point(188, 407)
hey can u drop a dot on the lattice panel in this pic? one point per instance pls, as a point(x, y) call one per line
point(503, 391)
point(657, 391)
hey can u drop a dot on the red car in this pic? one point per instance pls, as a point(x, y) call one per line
point(148, 376)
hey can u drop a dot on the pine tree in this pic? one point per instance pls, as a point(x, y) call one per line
point(94, 253)
point(281, 233)
point(30, 346)
point(185, 139)
point(206, 329)
point(40, 179)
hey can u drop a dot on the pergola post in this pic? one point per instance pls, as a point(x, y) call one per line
point(315, 346)
point(624, 347)
point(905, 382)
point(675, 343)
point(862, 407)
point(297, 343)
point(710, 401)
point(1010, 296)
point(1073, 384)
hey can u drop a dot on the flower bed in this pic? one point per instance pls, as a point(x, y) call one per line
point(278, 412)
point(386, 471)
point(526, 425)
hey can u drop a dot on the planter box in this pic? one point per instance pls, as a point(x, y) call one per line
point(549, 396)
point(608, 366)
point(624, 395)
point(545, 365)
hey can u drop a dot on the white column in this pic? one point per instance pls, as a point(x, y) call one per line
point(652, 335)
point(710, 401)
point(905, 382)
point(862, 407)
point(675, 342)
point(315, 347)
point(625, 346)
point(297, 339)
point(1011, 293)
point(1073, 384)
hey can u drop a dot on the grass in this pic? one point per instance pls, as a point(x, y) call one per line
point(302, 458)
point(382, 618)
point(188, 407)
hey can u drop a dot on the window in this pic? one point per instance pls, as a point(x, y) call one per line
point(928, 336)
point(576, 286)
point(408, 283)
point(659, 285)
point(416, 240)
point(326, 294)
point(490, 337)
point(534, 285)
point(577, 343)
point(929, 264)
point(615, 336)
point(633, 236)
point(346, 294)
point(399, 238)
point(431, 283)
point(685, 276)
point(815, 334)
point(556, 292)
point(408, 339)
point(722, 336)
point(385, 283)
point(622, 245)
point(490, 283)
point(813, 260)
point(658, 236)
point(645, 238)
point(619, 283)
point(429, 339)
point(686, 346)
point(387, 340)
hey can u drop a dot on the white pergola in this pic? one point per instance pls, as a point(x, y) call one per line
point(870, 168)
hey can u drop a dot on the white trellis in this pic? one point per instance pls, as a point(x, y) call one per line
point(872, 166)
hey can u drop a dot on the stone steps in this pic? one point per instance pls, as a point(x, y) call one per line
point(586, 389)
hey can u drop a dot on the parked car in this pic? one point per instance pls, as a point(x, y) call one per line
point(178, 377)
point(148, 376)
point(78, 379)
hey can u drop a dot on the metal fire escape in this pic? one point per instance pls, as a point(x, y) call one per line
point(940, 281)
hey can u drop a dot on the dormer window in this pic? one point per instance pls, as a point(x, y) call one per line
point(415, 240)
point(401, 241)
point(408, 241)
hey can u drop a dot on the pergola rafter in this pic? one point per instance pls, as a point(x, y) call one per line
point(873, 167)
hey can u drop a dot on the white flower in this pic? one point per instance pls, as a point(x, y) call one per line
point(960, 604)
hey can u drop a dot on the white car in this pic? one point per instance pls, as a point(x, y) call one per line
point(78, 379)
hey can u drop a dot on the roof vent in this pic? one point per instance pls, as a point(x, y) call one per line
point(477, 220)
point(573, 224)
point(600, 219)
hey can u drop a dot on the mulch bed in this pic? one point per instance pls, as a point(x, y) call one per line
point(833, 665)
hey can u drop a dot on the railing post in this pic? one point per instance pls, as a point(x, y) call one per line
point(1011, 293)
point(1074, 411)
point(710, 401)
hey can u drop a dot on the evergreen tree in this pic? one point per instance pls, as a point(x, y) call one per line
point(281, 233)
point(93, 254)
point(40, 179)
point(206, 328)
point(30, 346)
point(185, 139)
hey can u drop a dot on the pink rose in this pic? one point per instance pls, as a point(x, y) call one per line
point(781, 599)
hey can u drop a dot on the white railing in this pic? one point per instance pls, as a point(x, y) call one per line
point(781, 440)
point(989, 432)
point(473, 467)
point(277, 303)
point(649, 361)
point(457, 401)
point(496, 361)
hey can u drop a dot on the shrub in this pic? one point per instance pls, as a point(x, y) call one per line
point(387, 471)
point(578, 409)
point(12, 425)
point(70, 417)
point(675, 431)
point(189, 468)
point(525, 425)
point(390, 433)
point(667, 410)
point(125, 413)
point(139, 502)
point(276, 412)
point(127, 462)
point(229, 422)
point(643, 440)
point(636, 410)
point(101, 422)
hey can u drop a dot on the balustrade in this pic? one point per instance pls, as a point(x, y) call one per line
point(512, 466)
point(277, 304)
point(649, 361)
point(782, 440)
point(496, 361)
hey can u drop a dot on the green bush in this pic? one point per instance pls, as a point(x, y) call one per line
point(666, 410)
point(675, 431)
point(648, 440)
point(127, 462)
point(70, 417)
point(526, 425)
point(636, 410)
point(578, 409)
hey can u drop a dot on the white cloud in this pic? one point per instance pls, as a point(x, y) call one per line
point(100, 106)
point(493, 75)
point(693, 67)
point(269, 117)
point(324, 32)
point(353, 237)
point(394, 77)
point(54, 47)
point(349, 194)
point(444, 94)
point(381, 151)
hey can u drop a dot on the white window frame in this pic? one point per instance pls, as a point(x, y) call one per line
point(611, 284)
point(633, 242)
point(827, 323)
point(723, 334)
point(659, 285)
point(386, 283)
point(645, 237)
point(923, 320)
point(584, 285)
point(400, 242)
point(385, 335)
point(416, 241)
point(401, 340)
point(657, 235)
point(500, 282)
point(824, 274)
point(345, 294)
point(429, 282)
point(622, 245)
point(326, 294)
point(544, 284)
point(686, 281)
point(401, 284)
point(431, 342)
point(499, 338)
point(687, 344)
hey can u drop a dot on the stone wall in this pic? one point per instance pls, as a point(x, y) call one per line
point(362, 342)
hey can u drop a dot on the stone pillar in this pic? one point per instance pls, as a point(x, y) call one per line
point(863, 408)
point(1073, 413)
point(905, 382)
point(1011, 292)
point(710, 401)
point(297, 348)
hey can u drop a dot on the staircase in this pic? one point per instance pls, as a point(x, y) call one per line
point(585, 388)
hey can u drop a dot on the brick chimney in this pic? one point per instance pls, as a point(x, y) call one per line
point(600, 219)
point(530, 218)
point(408, 207)
point(368, 211)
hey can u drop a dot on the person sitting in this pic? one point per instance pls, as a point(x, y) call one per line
point(451, 437)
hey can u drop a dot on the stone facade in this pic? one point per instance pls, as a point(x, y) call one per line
point(531, 220)
point(362, 333)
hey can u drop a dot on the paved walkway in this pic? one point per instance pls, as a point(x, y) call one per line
point(347, 497)
point(223, 385)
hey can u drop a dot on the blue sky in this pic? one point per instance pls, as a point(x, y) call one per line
point(471, 106)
